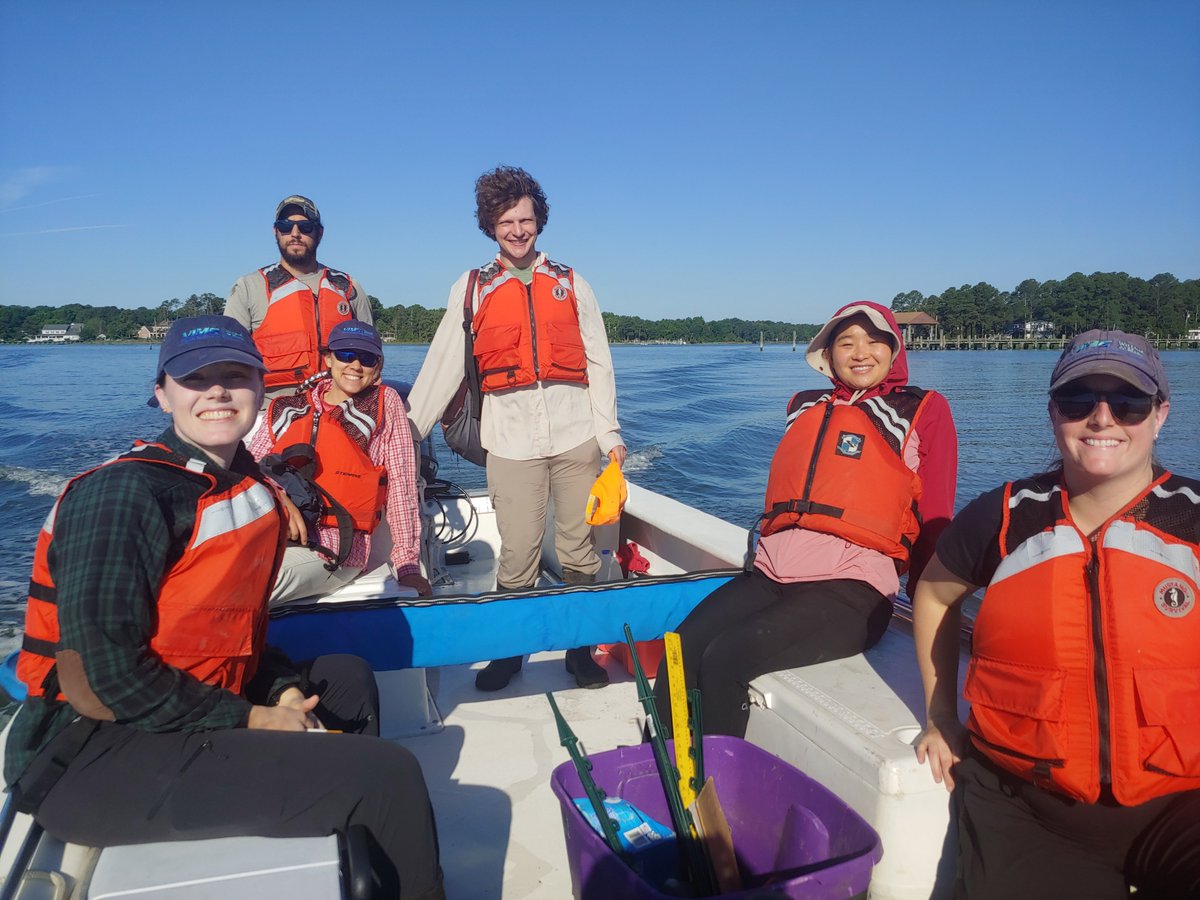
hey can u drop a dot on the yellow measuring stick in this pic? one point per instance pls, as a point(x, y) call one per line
point(684, 761)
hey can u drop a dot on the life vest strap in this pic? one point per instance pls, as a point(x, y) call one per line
point(38, 647)
point(804, 507)
point(292, 468)
point(43, 592)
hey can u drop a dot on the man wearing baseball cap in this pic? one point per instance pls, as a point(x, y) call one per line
point(293, 304)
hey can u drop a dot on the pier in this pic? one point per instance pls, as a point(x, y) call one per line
point(1004, 342)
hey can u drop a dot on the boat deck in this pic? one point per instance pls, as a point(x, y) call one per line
point(507, 842)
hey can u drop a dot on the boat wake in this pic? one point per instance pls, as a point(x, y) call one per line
point(38, 484)
point(643, 459)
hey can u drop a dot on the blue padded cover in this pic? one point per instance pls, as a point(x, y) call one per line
point(413, 633)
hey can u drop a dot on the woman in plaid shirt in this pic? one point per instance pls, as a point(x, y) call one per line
point(134, 732)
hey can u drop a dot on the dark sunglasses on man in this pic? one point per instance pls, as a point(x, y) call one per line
point(1127, 407)
point(285, 226)
point(370, 360)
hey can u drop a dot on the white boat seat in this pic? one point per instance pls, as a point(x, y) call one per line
point(236, 868)
point(850, 724)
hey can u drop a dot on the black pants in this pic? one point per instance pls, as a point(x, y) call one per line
point(754, 625)
point(1017, 840)
point(129, 786)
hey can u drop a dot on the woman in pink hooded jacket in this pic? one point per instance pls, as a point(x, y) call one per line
point(859, 489)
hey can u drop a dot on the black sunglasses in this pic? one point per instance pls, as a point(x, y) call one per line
point(285, 226)
point(1128, 409)
point(370, 360)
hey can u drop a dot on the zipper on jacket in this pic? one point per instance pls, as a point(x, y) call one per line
point(1100, 666)
point(1041, 765)
point(820, 439)
point(533, 330)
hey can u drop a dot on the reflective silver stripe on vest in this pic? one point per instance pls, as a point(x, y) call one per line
point(804, 408)
point(547, 268)
point(1160, 491)
point(358, 419)
point(234, 513)
point(1027, 494)
point(1140, 542)
point(888, 418)
point(48, 525)
point(286, 418)
point(483, 291)
point(288, 288)
point(1062, 541)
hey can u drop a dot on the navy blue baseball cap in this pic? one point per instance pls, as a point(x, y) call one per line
point(199, 341)
point(355, 335)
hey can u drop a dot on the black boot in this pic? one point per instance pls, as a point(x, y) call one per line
point(588, 674)
point(497, 674)
point(579, 662)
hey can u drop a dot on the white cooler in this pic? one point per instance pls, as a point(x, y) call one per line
point(850, 724)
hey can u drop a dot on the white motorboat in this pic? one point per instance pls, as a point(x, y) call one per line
point(487, 758)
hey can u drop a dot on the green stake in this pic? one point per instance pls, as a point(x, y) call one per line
point(583, 766)
point(697, 725)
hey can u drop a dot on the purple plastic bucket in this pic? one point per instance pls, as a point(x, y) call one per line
point(791, 835)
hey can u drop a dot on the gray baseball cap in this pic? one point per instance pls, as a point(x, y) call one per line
point(1129, 357)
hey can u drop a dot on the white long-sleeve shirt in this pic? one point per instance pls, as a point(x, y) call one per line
point(531, 422)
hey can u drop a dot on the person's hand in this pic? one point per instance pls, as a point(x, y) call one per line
point(943, 744)
point(291, 714)
point(297, 530)
point(416, 581)
point(617, 455)
point(293, 698)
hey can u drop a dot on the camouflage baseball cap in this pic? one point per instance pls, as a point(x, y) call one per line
point(306, 207)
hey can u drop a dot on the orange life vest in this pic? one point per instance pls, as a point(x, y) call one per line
point(528, 333)
point(297, 323)
point(343, 466)
point(839, 470)
point(1086, 656)
point(212, 603)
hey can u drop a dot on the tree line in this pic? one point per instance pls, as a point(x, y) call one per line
point(406, 324)
point(1162, 306)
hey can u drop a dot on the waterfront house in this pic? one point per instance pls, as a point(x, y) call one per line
point(153, 332)
point(57, 334)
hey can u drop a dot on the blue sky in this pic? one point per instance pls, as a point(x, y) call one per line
point(757, 159)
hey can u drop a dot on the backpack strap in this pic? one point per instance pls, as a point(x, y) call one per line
point(292, 468)
point(469, 368)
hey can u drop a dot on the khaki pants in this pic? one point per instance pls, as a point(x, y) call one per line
point(303, 574)
point(520, 490)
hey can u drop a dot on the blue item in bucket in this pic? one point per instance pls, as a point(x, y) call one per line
point(649, 845)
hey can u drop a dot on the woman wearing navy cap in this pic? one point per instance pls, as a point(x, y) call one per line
point(1078, 772)
point(155, 711)
point(352, 432)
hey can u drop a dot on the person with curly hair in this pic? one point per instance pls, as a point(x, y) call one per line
point(549, 395)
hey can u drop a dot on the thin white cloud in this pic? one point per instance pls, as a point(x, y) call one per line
point(60, 230)
point(48, 202)
point(24, 182)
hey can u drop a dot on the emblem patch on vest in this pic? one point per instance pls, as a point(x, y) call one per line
point(850, 444)
point(1174, 598)
point(343, 308)
point(558, 292)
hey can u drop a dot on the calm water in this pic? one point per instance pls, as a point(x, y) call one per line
point(700, 422)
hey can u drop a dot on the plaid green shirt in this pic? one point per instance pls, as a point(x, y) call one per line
point(117, 533)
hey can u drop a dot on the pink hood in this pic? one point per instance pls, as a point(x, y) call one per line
point(883, 319)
